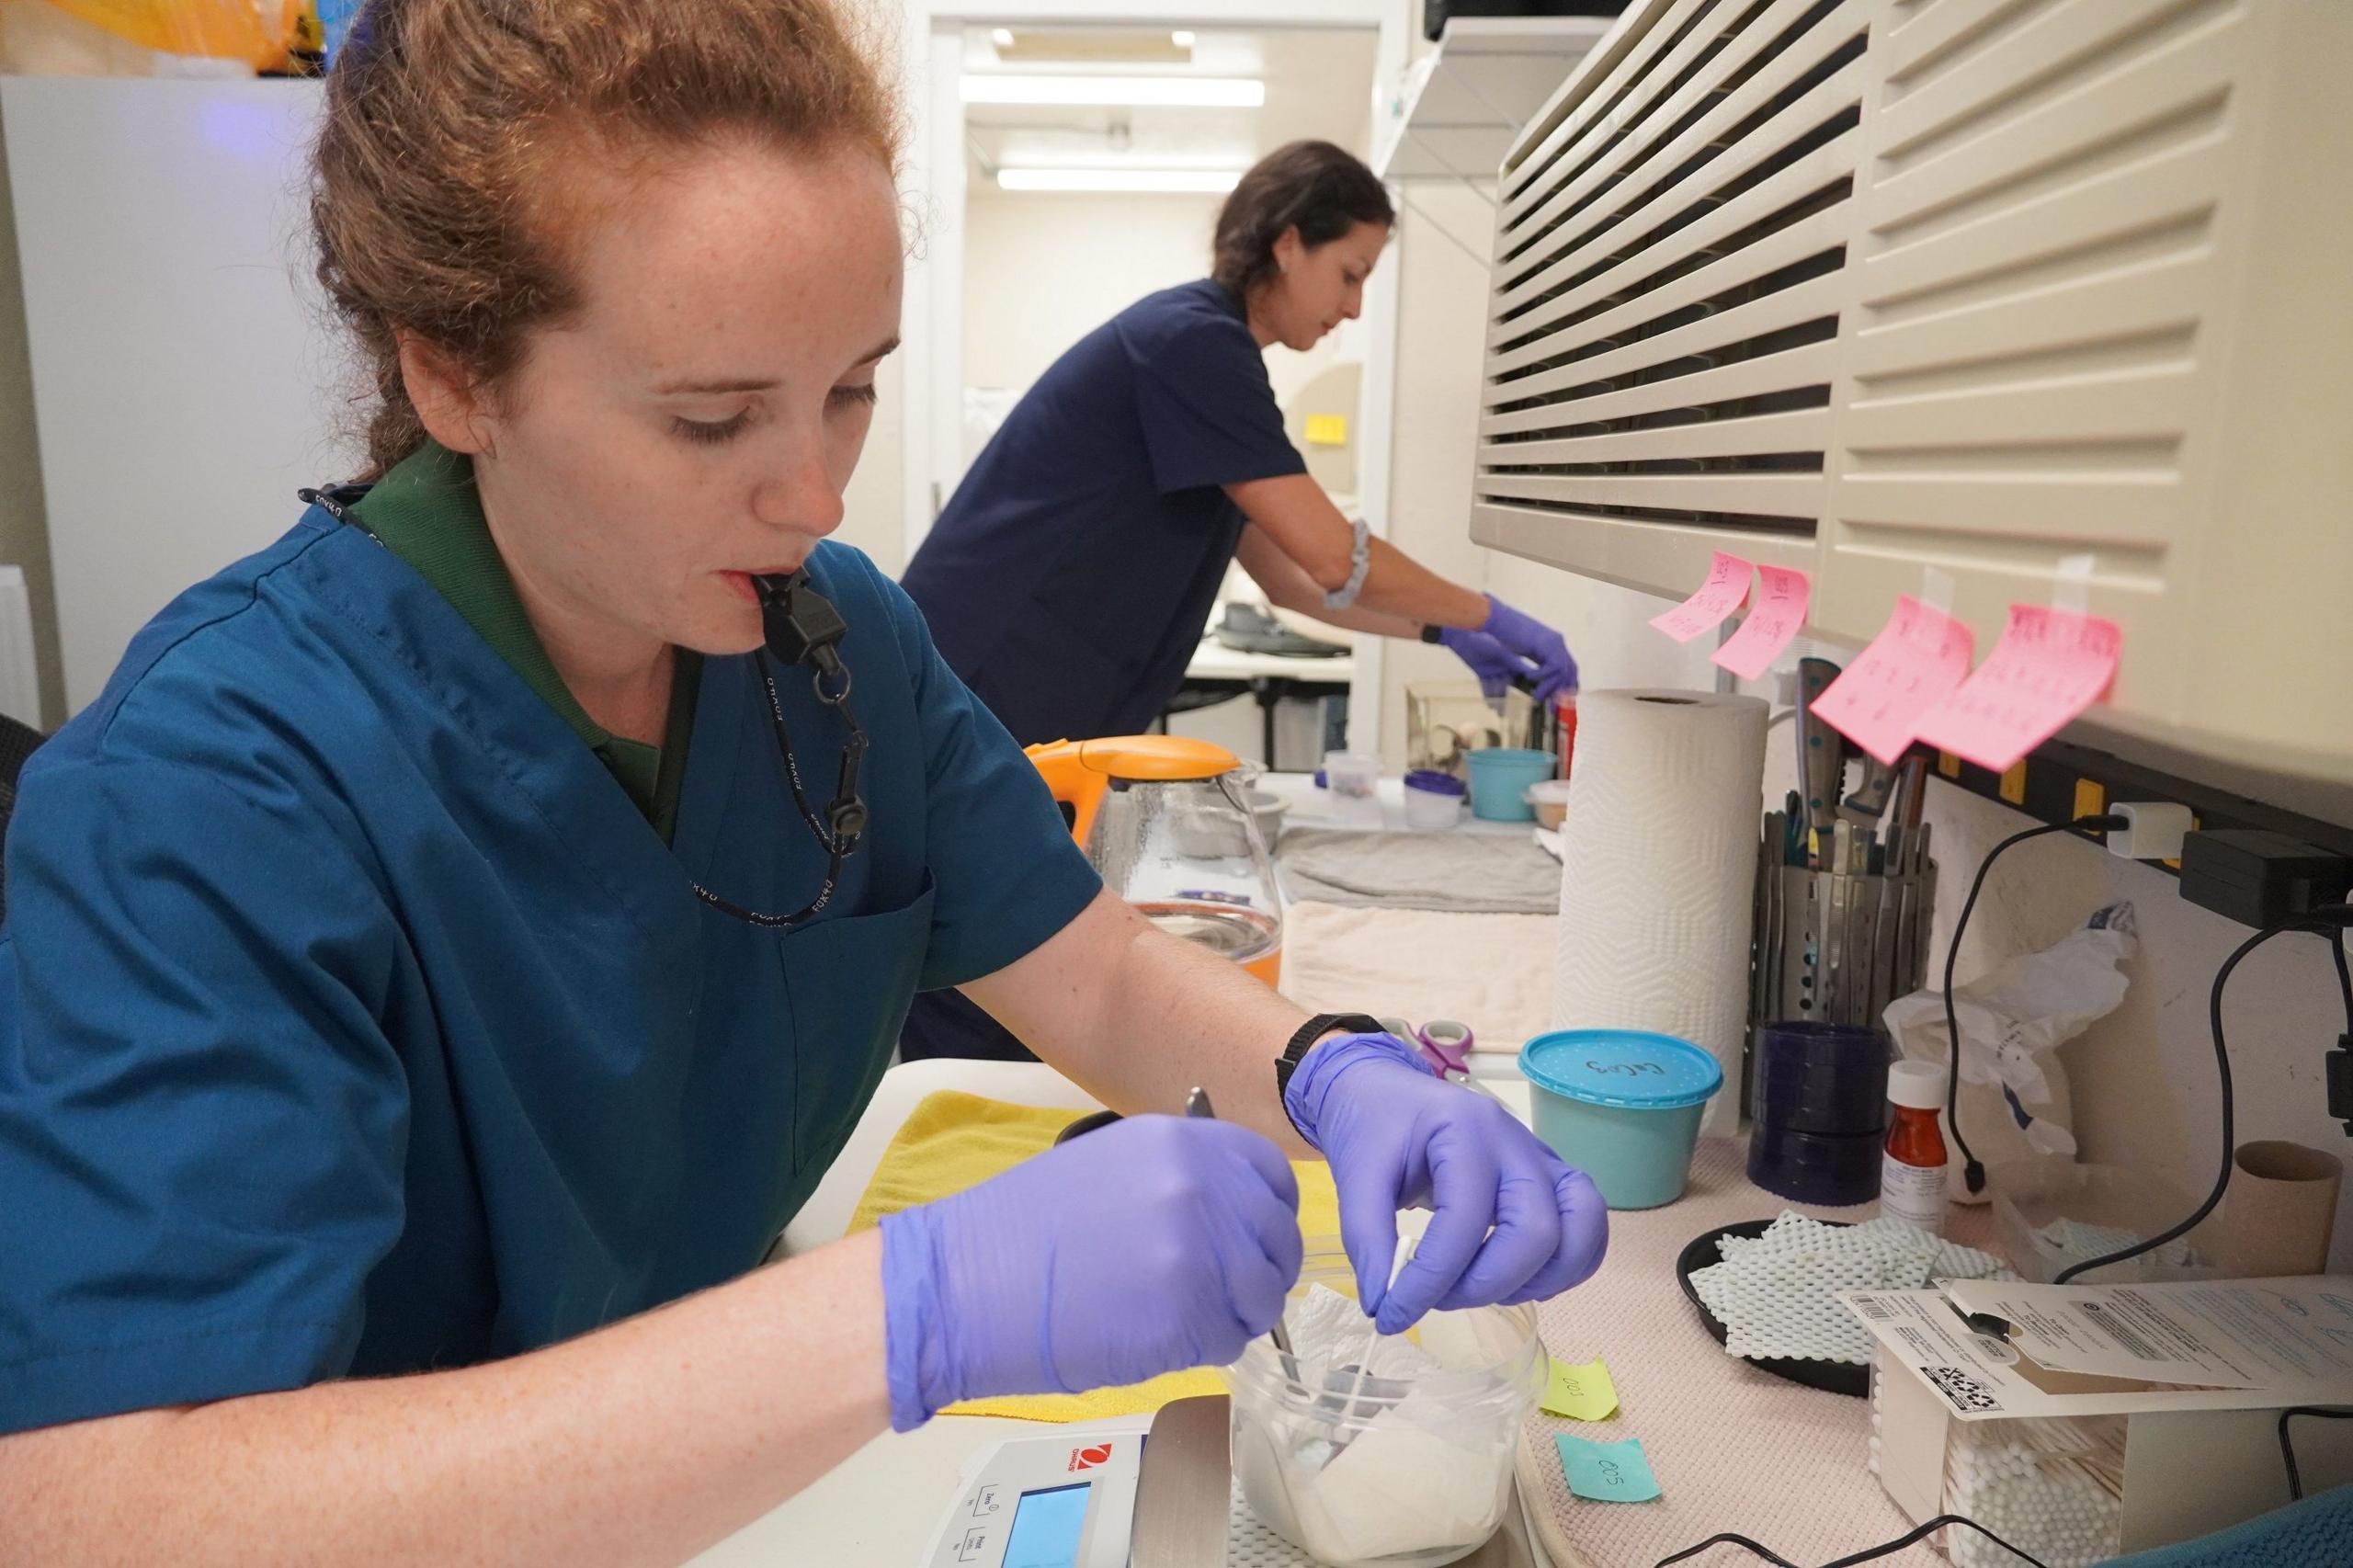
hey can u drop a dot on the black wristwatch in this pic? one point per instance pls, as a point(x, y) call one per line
point(1432, 633)
point(1316, 1028)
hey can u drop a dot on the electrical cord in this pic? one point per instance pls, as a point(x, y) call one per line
point(2327, 919)
point(1910, 1537)
point(2344, 971)
point(1973, 1169)
point(2288, 1449)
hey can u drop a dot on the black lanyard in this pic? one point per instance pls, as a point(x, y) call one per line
point(845, 818)
point(803, 628)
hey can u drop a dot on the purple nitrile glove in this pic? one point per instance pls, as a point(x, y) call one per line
point(1154, 1245)
point(1512, 645)
point(1396, 1137)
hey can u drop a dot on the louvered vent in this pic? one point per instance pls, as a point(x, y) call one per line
point(1666, 286)
point(2036, 265)
point(1869, 288)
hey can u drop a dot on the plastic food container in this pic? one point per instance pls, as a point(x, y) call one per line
point(1499, 778)
point(1432, 799)
point(1622, 1105)
point(1376, 1474)
point(1351, 773)
point(1549, 797)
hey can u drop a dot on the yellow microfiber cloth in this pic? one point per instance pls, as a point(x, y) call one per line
point(954, 1140)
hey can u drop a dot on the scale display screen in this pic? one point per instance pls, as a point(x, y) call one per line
point(1046, 1526)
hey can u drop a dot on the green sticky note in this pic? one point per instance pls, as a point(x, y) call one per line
point(1606, 1472)
point(1582, 1394)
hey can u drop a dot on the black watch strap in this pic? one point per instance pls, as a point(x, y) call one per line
point(1432, 633)
point(1316, 1028)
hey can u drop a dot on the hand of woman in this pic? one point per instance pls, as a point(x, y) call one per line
point(1513, 646)
point(1512, 1222)
point(1157, 1243)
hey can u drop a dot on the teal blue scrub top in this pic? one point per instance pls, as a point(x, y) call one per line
point(354, 1020)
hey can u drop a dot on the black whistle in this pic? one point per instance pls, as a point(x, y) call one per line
point(800, 624)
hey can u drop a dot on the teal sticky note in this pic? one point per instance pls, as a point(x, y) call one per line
point(1606, 1472)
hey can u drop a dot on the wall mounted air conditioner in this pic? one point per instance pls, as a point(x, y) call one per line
point(1869, 287)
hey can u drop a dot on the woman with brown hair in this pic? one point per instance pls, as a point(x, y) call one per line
point(1070, 575)
point(1069, 578)
point(430, 956)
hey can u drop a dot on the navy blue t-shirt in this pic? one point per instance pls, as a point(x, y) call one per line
point(1070, 577)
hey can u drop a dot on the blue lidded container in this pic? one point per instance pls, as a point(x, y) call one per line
point(1623, 1105)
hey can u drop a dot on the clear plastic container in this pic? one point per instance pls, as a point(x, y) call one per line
point(1432, 799)
point(1549, 797)
point(2050, 1214)
point(1351, 775)
point(1371, 1473)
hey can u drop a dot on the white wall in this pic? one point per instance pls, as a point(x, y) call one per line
point(2143, 1076)
point(873, 518)
point(1043, 271)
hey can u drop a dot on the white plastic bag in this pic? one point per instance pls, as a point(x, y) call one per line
point(2014, 1101)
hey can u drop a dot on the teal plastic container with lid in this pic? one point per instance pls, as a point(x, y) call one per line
point(1499, 780)
point(1622, 1105)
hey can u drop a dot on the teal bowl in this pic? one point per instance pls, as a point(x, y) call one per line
point(1622, 1105)
point(1499, 778)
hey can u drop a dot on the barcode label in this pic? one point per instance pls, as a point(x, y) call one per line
point(1965, 1391)
point(2114, 1327)
point(1875, 1309)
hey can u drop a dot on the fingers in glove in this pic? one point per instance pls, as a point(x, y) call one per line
point(1585, 1237)
point(1526, 1239)
point(1463, 1179)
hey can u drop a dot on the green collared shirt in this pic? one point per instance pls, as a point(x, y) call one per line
point(426, 512)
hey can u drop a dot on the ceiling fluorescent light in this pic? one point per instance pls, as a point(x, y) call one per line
point(1182, 39)
point(1119, 92)
point(1002, 38)
point(1203, 182)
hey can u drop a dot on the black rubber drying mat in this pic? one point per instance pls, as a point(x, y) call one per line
point(1832, 1377)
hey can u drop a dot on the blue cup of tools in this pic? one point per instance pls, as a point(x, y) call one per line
point(1817, 1105)
point(1499, 780)
point(1623, 1105)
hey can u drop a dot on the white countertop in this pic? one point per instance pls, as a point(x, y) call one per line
point(1214, 661)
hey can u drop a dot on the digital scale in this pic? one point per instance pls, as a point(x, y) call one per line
point(1152, 1490)
point(1135, 1492)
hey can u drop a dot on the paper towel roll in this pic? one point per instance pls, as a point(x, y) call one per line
point(1658, 871)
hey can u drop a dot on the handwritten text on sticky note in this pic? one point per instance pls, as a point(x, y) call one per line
point(1606, 1472)
point(1727, 585)
point(1773, 622)
point(2050, 665)
point(1916, 662)
point(1582, 1394)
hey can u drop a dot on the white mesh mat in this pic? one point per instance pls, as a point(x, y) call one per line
point(1776, 1294)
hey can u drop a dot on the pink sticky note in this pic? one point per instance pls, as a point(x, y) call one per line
point(1773, 621)
point(1727, 585)
point(2050, 665)
point(1914, 663)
